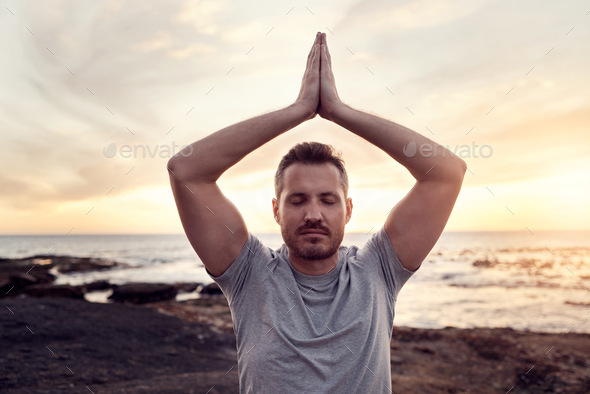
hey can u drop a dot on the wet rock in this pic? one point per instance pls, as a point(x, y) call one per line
point(63, 264)
point(110, 348)
point(96, 285)
point(491, 346)
point(542, 378)
point(42, 275)
point(13, 282)
point(141, 293)
point(187, 287)
point(62, 291)
point(211, 289)
point(19, 279)
point(4, 281)
point(67, 264)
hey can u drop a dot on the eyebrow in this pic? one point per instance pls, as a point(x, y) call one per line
point(324, 194)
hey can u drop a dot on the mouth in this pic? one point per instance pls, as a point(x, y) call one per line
point(313, 232)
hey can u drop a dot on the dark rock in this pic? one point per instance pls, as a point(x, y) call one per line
point(211, 289)
point(424, 349)
point(66, 264)
point(63, 291)
point(42, 276)
point(5, 281)
point(490, 347)
point(63, 264)
point(187, 287)
point(110, 348)
point(19, 279)
point(97, 285)
point(141, 293)
point(542, 378)
point(6, 286)
point(13, 282)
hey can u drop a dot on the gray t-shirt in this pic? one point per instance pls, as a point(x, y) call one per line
point(330, 333)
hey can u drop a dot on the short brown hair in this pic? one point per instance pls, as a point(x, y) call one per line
point(310, 153)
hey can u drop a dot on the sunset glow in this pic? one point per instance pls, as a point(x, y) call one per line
point(96, 98)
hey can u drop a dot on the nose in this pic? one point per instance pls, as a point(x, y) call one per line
point(313, 213)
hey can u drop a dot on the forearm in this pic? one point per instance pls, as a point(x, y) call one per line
point(205, 160)
point(431, 161)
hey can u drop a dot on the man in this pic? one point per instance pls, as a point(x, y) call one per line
point(312, 316)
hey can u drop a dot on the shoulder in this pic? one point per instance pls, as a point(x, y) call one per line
point(378, 249)
point(249, 264)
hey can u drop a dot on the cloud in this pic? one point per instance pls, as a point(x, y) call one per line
point(158, 66)
point(203, 15)
point(191, 50)
point(534, 147)
point(411, 14)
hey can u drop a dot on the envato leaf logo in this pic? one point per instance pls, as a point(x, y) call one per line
point(410, 149)
point(110, 150)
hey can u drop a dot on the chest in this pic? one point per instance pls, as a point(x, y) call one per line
point(351, 305)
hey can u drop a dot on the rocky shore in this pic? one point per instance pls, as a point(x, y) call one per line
point(145, 341)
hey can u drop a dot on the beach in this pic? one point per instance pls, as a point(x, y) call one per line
point(54, 340)
point(63, 345)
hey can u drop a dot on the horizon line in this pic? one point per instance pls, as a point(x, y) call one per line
point(278, 232)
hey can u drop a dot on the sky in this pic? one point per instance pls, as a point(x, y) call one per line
point(96, 97)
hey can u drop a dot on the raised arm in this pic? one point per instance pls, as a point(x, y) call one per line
point(416, 222)
point(213, 225)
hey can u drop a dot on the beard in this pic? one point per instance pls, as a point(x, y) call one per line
point(316, 248)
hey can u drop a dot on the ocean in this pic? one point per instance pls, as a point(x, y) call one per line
point(532, 281)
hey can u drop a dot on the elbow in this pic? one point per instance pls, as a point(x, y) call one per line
point(179, 166)
point(174, 167)
point(454, 171)
point(459, 171)
point(462, 166)
point(191, 164)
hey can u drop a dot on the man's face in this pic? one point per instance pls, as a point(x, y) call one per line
point(312, 210)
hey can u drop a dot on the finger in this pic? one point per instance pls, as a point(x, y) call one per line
point(326, 59)
point(325, 43)
point(311, 52)
point(313, 57)
point(325, 53)
point(324, 62)
point(317, 40)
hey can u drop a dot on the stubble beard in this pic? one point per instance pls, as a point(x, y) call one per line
point(313, 250)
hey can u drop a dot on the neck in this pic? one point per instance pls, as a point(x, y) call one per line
point(313, 267)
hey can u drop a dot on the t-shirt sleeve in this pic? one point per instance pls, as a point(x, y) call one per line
point(243, 270)
point(379, 250)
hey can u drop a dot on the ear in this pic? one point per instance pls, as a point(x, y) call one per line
point(275, 210)
point(348, 209)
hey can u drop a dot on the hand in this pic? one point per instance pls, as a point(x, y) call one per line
point(309, 94)
point(329, 100)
